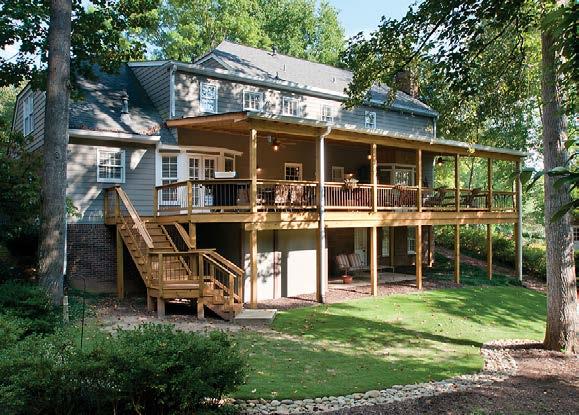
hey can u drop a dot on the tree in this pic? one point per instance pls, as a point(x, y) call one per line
point(462, 40)
point(301, 28)
point(77, 36)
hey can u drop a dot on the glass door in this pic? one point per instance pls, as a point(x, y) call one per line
point(202, 168)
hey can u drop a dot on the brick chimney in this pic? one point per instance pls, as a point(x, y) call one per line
point(406, 82)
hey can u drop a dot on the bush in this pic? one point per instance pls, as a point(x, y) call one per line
point(152, 369)
point(30, 303)
point(473, 243)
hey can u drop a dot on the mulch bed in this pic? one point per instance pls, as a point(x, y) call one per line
point(546, 383)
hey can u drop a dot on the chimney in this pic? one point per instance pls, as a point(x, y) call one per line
point(406, 82)
point(124, 103)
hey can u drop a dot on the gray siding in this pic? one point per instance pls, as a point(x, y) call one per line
point(38, 131)
point(155, 81)
point(87, 194)
point(230, 99)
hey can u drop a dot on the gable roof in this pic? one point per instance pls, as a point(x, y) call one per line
point(262, 64)
point(100, 106)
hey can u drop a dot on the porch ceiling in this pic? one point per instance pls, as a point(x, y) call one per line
point(283, 126)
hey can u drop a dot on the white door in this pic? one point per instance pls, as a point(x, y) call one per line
point(361, 243)
point(202, 168)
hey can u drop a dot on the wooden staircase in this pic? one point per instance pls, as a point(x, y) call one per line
point(170, 266)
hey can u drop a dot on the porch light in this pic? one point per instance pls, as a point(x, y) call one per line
point(275, 145)
point(258, 169)
point(439, 161)
point(369, 156)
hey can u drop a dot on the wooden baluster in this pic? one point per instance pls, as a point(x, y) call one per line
point(231, 291)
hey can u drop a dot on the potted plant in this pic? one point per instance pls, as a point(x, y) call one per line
point(347, 278)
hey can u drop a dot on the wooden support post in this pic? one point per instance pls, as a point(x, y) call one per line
point(431, 245)
point(519, 224)
point(200, 308)
point(490, 183)
point(419, 179)
point(253, 268)
point(490, 251)
point(193, 235)
point(253, 169)
point(231, 287)
point(160, 307)
point(117, 207)
point(155, 201)
point(392, 252)
point(374, 260)
point(457, 253)
point(149, 302)
point(374, 176)
point(120, 266)
point(418, 260)
point(200, 299)
point(457, 182)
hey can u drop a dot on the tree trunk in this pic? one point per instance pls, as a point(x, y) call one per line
point(53, 215)
point(561, 285)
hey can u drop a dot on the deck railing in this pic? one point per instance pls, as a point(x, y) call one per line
point(212, 196)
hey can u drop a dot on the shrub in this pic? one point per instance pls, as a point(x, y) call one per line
point(152, 369)
point(12, 329)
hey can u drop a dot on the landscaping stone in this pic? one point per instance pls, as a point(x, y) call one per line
point(499, 365)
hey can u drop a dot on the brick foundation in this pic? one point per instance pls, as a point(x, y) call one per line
point(92, 259)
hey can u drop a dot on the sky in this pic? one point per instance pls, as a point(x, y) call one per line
point(365, 15)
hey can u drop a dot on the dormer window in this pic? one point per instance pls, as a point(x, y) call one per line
point(370, 119)
point(327, 113)
point(291, 106)
point(252, 101)
point(208, 97)
point(28, 114)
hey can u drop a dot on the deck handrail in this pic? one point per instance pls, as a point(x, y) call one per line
point(138, 222)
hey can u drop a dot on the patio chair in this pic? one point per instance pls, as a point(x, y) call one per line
point(281, 196)
point(470, 199)
point(242, 197)
point(436, 200)
point(343, 263)
point(297, 195)
point(356, 263)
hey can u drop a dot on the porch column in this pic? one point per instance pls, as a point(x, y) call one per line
point(120, 266)
point(519, 224)
point(321, 259)
point(418, 260)
point(374, 260)
point(374, 177)
point(419, 179)
point(253, 169)
point(490, 183)
point(456, 183)
point(490, 251)
point(457, 253)
point(253, 267)
point(193, 235)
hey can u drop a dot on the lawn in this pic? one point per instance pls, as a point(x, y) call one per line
point(379, 342)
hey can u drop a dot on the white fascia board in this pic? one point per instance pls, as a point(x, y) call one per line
point(112, 136)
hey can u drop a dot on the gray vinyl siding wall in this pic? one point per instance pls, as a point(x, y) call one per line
point(230, 99)
point(87, 194)
point(155, 81)
point(38, 131)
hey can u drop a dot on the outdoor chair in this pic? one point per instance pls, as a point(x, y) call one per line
point(356, 263)
point(281, 196)
point(343, 263)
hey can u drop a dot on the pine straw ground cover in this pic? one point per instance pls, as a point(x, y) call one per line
point(375, 343)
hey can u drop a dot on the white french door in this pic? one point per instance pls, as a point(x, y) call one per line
point(361, 243)
point(202, 168)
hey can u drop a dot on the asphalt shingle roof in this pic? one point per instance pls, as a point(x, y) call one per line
point(260, 63)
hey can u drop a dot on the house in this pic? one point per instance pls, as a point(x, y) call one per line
point(242, 176)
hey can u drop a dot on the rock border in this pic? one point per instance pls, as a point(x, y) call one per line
point(498, 366)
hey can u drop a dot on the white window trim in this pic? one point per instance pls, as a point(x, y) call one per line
point(299, 165)
point(366, 124)
point(392, 167)
point(291, 99)
point(28, 114)
point(323, 116)
point(261, 102)
point(385, 241)
point(336, 169)
point(163, 199)
point(201, 107)
point(411, 235)
point(122, 166)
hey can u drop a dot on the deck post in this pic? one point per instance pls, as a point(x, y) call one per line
point(253, 268)
point(490, 251)
point(155, 201)
point(457, 253)
point(374, 260)
point(193, 235)
point(419, 179)
point(253, 169)
point(490, 183)
point(374, 176)
point(456, 183)
point(519, 224)
point(431, 245)
point(160, 299)
point(120, 266)
point(418, 260)
point(321, 260)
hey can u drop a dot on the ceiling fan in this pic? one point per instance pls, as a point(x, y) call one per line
point(276, 143)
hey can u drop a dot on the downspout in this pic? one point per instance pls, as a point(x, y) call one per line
point(323, 263)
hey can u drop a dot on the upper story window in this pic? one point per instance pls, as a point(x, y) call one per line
point(252, 101)
point(293, 171)
point(327, 113)
point(110, 165)
point(370, 119)
point(208, 97)
point(337, 173)
point(291, 106)
point(169, 166)
point(28, 114)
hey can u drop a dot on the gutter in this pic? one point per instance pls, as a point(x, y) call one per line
point(114, 136)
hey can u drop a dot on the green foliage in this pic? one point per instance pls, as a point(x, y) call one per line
point(152, 369)
point(473, 243)
point(100, 35)
point(186, 30)
point(7, 100)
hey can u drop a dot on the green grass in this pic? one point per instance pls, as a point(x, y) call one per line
point(379, 342)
